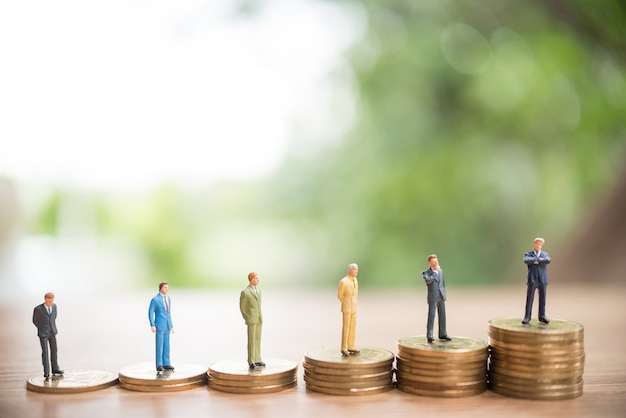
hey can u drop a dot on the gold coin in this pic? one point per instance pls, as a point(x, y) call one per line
point(238, 369)
point(176, 387)
point(343, 371)
point(555, 327)
point(348, 385)
point(437, 362)
point(332, 357)
point(536, 368)
point(538, 362)
point(520, 355)
point(73, 381)
point(544, 350)
point(143, 374)
point(453, 374)
point(253, 382)
point(535, 338)
point(565, 393)
point(460, 346)
point(442, 379)
point(449, 393)
point(531, 376)
point(350, 378)
point(468, 385)
point(531, 388)
point(349, 391)
point(253, 390)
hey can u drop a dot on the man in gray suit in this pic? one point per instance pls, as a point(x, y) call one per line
point(44, 318)
point(436, 298)
point(537, 278)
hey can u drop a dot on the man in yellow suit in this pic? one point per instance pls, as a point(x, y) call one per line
point(347, 294)
point(250, 307)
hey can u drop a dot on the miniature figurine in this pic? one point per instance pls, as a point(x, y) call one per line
point(348, 293)
point(436, 298)
point(537, 278)
point(250, 307)
point(160, 316)
point(44, 318)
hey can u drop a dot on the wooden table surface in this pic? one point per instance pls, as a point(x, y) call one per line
point(110, 329)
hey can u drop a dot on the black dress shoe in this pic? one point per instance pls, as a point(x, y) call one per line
point(525, 321)
point(544, 320)
point(46, 376)
point(430, 340)
point(58, 372)
point(345, 353)
point(260, 364)
point(253, 366)
point(160, 368)
point(169, 368)
point(445, 338)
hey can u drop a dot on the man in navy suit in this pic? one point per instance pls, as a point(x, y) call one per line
point(537, 278)
point(160, 318)
point(436, 298)
point(44, 318)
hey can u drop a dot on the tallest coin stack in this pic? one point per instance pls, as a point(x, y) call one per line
point(536, 360)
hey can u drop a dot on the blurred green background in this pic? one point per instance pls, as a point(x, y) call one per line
point(474, 126)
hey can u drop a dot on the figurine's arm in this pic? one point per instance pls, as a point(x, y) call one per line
point(152, 315)
point(530, 258)
point(340, 291)
point(428, 277)
point(545, 260)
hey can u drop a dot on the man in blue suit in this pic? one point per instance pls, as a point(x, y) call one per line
point(537, 278)
point(44, 318)
point(433, 277)
point(160, 318)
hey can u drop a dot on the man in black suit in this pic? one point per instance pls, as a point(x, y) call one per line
point(433, 277)
point(537, 278)
point(44, 318)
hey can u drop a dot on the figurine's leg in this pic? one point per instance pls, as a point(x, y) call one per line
point(431, 320)
point(530, 295)
point(543, 288)
point(441, 314)
point(166, 348)
point(45, 357)
point(352, 333)
point(53, 353)
point(257, 343)
point(345, 329)
point(159, 348)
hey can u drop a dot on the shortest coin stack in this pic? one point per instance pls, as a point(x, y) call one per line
point(235, 376)
point(442, 368)
point(327, 371)
point(143, 377)
point(536, 360)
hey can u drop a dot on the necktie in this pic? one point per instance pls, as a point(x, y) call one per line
point(167, 308)
point(49, 310)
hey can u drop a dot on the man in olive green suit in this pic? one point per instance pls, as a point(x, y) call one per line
point(250, 306)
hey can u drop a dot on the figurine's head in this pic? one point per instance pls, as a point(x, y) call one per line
point(253, 278)
point(433, 261)
point(48, 299)
point(164, 288)
point(538, 243)
point(353, 270)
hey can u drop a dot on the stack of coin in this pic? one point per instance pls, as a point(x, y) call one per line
point(442, 368)
point(327, 371)
point(73, 381)
point(143, 377)
point(235, 376)
point(536, 360)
